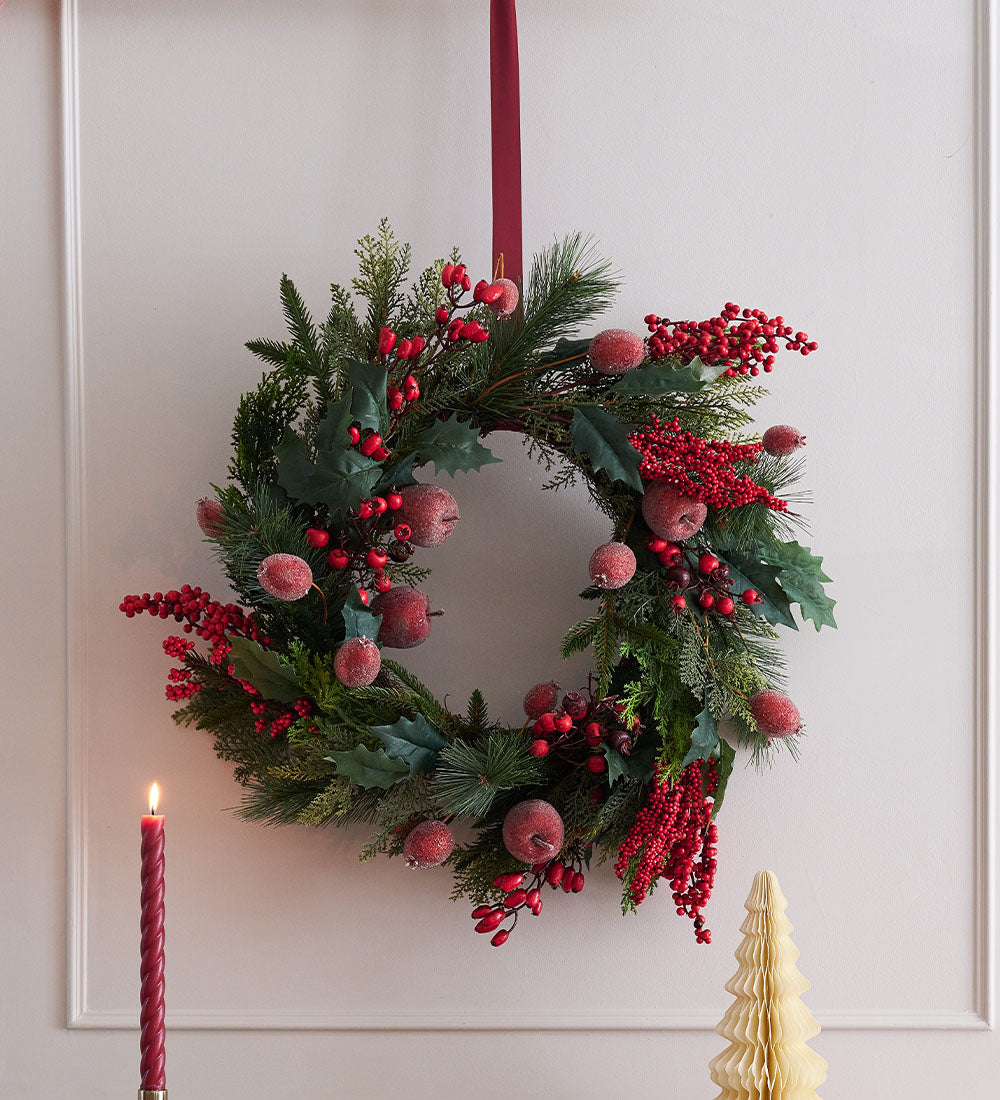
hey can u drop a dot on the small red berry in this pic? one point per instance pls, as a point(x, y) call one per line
point(515, 898)
point(338, 559)
point(354, 434)
point(597, 764)
point(725, 605)
point(501, 937)
point(371, 444)
point(578, 882)
point(679, 604)
point(708, 563)
point(386, 341)
point(317, 538)
point(376, 558)
point(481, 911)
point(547, 723)
point(382, 583)
point(402, 531)
point(656, 544)
point(394, 501)
point(446, 275)
point(554, 875)
point(363, 596)
point(489, 923)
point(563, 723)
point(441, 315)
point(538, 748)
point(509, 881)
point(379, 505)
point(750, 596)
point(706, 599)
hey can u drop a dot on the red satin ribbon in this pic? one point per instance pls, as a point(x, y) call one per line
point(505, 102)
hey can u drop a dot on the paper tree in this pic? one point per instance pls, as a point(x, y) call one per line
point(767, 1025)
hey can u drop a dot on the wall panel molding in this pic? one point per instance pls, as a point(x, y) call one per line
point(981, 1015)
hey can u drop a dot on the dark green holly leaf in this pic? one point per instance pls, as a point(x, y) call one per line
point(661, 378)
point(727, 755)
point(803, 579)
point(704, 738)
point(598, 434)
point(398, 476)
point(365, 768)
point(452, 446)
point(417, 742)
point(340, 478)
point(638, 765)
point(367, 393)
point(568, 351)
point(269, 673)
point(331, 432)
point(748, 571)
point(359, 622)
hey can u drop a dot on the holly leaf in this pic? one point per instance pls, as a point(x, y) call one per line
point(359, 622)
point(638, 766)
point(398, 476)
point(598, 434)
point(367, 393)
point(452, 447)
point(339, 478)
point(802, 578)
point(417, 742)
point(727, 755)
point(365, 768)
point(331, 432)
point(661, 378)
point(704, 738)
point(568, 351)
point(748, 571)
point(269, 673)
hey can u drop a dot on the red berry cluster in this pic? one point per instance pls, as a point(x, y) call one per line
point(576, 731)
point(362, 550)
point(524, 891)
point(673, 838)
point(702, 469)
point(208, 618)
point(700, 576)
point(743, 340)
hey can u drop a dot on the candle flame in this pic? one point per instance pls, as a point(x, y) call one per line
point(154, 797)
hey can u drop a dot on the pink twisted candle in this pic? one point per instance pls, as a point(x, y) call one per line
point(152, 1066)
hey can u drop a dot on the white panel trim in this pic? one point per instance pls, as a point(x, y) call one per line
point(76, 568)
point(981, 1017)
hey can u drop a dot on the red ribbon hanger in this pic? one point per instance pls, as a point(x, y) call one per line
point(505, 103)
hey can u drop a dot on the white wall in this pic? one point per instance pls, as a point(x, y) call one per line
point(819, 161)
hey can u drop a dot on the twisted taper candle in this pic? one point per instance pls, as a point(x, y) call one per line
point(152, 1066)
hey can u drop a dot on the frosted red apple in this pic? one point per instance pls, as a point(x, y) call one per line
point(775, 714)
point(612, 565)
point(533, 831)
point(430, 512)
point(285, 576)
point(406, 617)
point(357, 662)
point(782, 439)
point(669, 514)
point(505, 305)
point(541, 699)
point(428, 844)
point(211, 517)
point(616, 351)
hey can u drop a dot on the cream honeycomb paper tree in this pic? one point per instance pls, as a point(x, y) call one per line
point(767, 1025)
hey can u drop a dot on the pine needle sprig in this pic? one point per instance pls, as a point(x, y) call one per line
point(471, 774)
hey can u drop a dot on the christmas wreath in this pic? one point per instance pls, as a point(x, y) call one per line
point(320, 529)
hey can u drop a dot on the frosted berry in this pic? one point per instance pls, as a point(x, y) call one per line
point(533, 831)
point(538, 748)
point(430, 512)
point(541, 699)
point(782, 439)
point(285, 576)
point(612, 565)
point(616, 351)
point(504, 305)
point(670, 515)
point(428, 844)
point(317, 538)
point(775, 714)
point(406, 617)
point(357, 663)
point(211, 517)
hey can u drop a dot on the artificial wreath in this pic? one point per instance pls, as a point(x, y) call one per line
point(321, 523)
